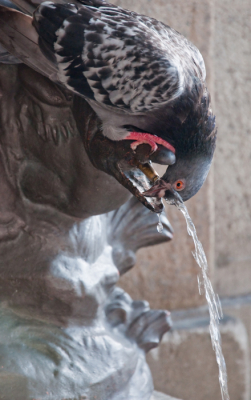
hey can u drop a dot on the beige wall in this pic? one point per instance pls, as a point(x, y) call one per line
point(233, 157)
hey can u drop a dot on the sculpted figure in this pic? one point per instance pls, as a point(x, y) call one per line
point(90, 94)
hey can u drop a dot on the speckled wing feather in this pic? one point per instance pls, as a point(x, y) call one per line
point(115, 56)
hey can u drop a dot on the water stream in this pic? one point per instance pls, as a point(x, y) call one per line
point(213, 301)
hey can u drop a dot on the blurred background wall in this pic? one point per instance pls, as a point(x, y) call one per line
point(166, 275)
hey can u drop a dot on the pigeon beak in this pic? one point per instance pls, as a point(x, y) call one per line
point(172, 197)
point(163, 190)
point(159, 190)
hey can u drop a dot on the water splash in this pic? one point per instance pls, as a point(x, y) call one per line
point(160, 227)
point(215, 310)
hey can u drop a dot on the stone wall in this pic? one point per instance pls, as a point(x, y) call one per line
point(165, 275)
point(233, 157)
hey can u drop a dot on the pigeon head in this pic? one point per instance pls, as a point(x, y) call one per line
point(181, 180)
point(186, 177)
point(184, 142)
point(194, 140)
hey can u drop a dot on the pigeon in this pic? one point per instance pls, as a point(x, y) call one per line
point(144, 80)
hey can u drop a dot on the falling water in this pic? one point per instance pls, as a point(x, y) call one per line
point(215, 310)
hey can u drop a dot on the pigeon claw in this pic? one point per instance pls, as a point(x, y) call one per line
point(153, 141)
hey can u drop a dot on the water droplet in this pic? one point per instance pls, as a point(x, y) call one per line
point(160, 226)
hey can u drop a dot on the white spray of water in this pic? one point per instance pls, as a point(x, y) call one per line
point(215, 310)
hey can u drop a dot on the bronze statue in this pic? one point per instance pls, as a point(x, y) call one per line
point(66, 330)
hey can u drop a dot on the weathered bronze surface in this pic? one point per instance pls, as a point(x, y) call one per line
point(67, 231)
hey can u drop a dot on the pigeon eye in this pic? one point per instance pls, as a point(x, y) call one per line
point(179, 185)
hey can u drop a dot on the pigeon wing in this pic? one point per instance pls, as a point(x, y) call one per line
point(116, 57)
point(102, 52)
